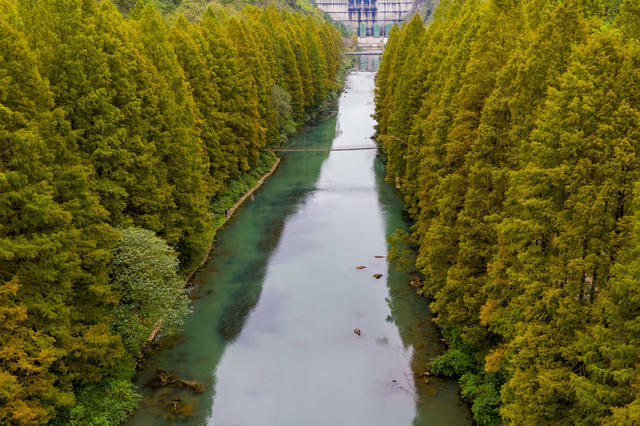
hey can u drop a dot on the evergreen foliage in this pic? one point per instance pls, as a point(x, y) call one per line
point(145, 273)
point(512, 128)
point(116, 137)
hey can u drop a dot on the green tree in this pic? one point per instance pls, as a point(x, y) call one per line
point(54, 242)
point(507, 127)
point(176, 136)
point(145, 272)
point(25, 358)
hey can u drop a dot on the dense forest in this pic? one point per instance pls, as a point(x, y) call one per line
point(118, 136)
point(194, 10)
point(513, 128)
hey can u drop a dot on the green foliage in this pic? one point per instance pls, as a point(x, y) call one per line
point(54, 246)
point(401, 252)
point(163, 6)
point(239, 186)
point(109, 402)
point(280, 103)
point(194, 10)
point(484, 390)
point(145, 272)
point(452, 363)
point(511, 129)
point(111, 124)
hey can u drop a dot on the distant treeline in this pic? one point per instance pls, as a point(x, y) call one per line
point(194, 10)
point(116, 135)
point(513, 130)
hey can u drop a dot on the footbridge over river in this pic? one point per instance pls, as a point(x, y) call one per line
point(370, 18)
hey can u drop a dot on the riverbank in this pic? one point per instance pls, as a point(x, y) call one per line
point(276, 306)
point(243, 187)
point(236, 193)
point(224, 218)
point(238, 190)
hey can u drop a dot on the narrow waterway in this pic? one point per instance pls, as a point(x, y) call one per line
point(272, 332)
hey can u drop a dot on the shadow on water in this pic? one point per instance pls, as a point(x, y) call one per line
point(411, 315)
point(230, 285)
point(248, 280)
point(271, 338)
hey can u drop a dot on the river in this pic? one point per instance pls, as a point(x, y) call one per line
point(272, 335)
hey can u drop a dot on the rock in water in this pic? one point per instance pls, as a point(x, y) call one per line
point(357, 331)
point(175, 407)
point(193, 385)
point(377, 276)
point(416, 282)
point(360, 267)
point(165, 379)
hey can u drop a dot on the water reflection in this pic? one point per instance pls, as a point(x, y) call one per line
point(437, 401)
point(271, 336)
point(297, 360)
point(368, 63)
point(231, 284)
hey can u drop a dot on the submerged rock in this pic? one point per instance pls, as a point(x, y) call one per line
point(416, 282)
point(165, 379)
point(193, 385)
point(175, 406)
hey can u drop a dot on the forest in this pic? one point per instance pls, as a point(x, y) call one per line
point(512, 129)
point(118, 138)
point(194, 10)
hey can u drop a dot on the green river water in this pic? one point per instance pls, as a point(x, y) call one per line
point(271, 335)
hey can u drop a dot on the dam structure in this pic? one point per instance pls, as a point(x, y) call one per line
point(369, 18)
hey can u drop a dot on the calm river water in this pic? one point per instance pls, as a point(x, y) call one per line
point(271, 336)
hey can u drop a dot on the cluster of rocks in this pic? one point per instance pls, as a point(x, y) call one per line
point(175, 406)
point(417, 284)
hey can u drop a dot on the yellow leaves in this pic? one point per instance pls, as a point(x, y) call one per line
point(8, 385)
point(25, 412)
point(24, 361)
point(494, 361)
point(11, 312)
point(626, 415)
point(48, 355)
point(486, 311)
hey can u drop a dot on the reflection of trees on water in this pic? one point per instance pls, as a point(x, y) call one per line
point(248, 279)
point(368, 63)
point(411, 315)
point(227, 289)
point(248, 283)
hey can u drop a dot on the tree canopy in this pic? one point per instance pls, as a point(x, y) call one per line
point(512, 129)
point(116, 135)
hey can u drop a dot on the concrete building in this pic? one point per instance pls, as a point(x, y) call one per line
point(369, 18)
